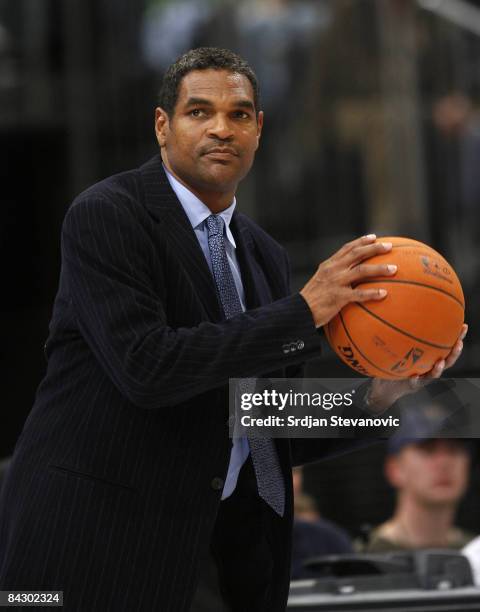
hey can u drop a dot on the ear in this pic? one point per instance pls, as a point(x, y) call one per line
point(161, 126)
point(393, 471)
point(259, 126)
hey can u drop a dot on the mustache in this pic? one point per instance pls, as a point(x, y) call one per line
point(218, 147)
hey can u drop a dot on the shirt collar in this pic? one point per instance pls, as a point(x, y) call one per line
point(196, 211)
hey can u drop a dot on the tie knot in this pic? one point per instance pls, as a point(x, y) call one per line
point(214, 225)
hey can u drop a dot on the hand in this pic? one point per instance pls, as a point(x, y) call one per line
point(383, 393)
point(333, 284)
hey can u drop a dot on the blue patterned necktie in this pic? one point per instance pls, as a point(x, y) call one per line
point(270, 484)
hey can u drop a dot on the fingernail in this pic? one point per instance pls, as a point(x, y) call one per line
point(459, 348)
point(382, 292)
point(441, 364)
point(464, 333)
point(392, 268)
point(387, 245)
point(371, 236)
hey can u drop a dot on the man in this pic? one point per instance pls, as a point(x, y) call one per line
point(124, 484)
point(431, 477)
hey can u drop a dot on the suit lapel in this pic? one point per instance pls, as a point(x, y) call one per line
point(163, 204)
point(257, 291)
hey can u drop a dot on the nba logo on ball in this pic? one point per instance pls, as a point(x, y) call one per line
point(416, 324)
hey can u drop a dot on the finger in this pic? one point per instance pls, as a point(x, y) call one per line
point(454, 354)
point(364, 295)
point(464, 331)
point(365, 271)
point(362, 252)
point(437, 369)
point(349, 246)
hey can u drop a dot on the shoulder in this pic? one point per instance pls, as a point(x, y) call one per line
point(323, 528)
point(333, 530)
point(114, 206)
point(117, 199)
point(381, 539)
point(122, 188)
point(323, 536)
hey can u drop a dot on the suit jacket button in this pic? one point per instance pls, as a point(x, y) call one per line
point(300, 345)
point(217, 483)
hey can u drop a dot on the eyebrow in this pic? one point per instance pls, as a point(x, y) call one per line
point(242, 103)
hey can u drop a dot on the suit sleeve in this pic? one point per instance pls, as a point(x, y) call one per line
point(107, 261)
point(296, 370)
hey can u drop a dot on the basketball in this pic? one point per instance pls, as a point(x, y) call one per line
point(417, 323)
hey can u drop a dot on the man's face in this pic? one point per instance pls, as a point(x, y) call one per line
point(435, 472)
point(210, 141)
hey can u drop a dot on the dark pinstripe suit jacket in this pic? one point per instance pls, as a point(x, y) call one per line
point(114, 484)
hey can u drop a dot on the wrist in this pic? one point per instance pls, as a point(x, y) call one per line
point(310, 306)
point(374, 402)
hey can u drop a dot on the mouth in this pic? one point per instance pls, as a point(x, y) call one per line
point(221, 153)
point(443, 483)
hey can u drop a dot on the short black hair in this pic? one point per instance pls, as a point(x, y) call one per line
point(203, 58)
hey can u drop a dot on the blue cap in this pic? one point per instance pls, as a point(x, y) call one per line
point(420, 423)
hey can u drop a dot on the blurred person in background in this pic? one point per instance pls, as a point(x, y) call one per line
point(313, 536)
point(453, 156)
point(430, 477)
point(454, 159)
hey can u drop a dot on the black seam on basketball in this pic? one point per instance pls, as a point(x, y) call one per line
point(419, 245)
point(409, 282)
point(440, 346)
point(360, 352)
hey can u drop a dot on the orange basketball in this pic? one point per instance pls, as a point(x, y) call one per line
point(417, 323)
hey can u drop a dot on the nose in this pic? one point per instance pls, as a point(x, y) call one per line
point(220, 127)
point(443, 458)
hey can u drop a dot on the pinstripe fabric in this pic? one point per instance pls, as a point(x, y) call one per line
point(109, 495)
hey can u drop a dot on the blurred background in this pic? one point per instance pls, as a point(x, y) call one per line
point(372, 124)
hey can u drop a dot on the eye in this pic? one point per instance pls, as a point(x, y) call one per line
point(240, 114)
point(196, 112)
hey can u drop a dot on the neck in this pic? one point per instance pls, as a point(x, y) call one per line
point(216, 205)
point(418, 525)
point(216, 201)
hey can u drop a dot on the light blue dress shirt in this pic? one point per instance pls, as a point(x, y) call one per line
point(197, 213)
